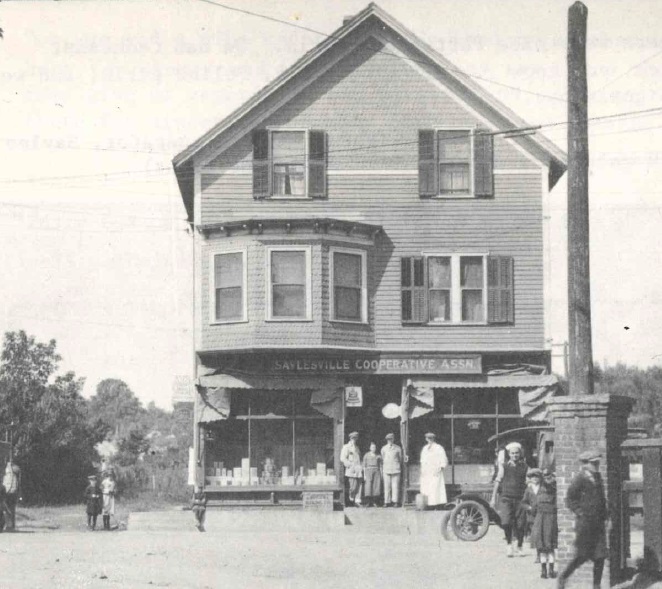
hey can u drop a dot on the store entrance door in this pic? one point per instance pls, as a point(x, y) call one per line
point(368, 419)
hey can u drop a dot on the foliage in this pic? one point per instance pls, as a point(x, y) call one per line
point(53, 440)
point(643, 385)
point(116, 405)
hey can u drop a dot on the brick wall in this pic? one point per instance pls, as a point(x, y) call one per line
point(586, 423)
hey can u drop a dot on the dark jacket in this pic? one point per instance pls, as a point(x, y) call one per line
point(586, 498)
point(93, 499)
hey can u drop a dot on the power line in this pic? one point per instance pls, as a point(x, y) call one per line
point(626, 72)
point(308, 29)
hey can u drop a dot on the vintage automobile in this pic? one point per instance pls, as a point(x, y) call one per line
point(468, 516)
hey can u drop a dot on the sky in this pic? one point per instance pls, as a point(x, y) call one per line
point(97, 97)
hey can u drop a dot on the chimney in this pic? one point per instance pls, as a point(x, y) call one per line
point(346, 19)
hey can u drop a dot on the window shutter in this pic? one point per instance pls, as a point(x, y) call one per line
point(427, 163)
point(500, 289)
point(414, 290)
point(483, 163)
point(317, 164)
point(261, 164)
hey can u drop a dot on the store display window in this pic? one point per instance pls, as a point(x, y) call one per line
point(463, 420)
point(271, 438)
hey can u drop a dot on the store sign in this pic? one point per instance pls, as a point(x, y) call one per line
point(382, 364)
point(317, 501)
point(353, 397)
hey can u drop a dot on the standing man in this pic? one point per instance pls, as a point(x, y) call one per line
point(586, 499)
point(11, 481)
point(350, 456)
point(433, 462)
point(392, 471)
point(511, 483)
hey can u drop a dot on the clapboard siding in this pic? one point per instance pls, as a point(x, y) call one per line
point(368, 100)
point(371, 99)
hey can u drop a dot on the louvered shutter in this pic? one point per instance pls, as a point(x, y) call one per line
point(317, 164)
point(500, 289)
point(427, 163)
point(414, 290)
point(483, 163)
point(261, 164)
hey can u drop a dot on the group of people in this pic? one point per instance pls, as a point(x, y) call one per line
point(10, 494)
point(366, 474)
point(100, 499)
point(527, 503)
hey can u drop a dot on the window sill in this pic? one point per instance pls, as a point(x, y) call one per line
point(289, 320)
point(291, 197)
point(228, 322)
point(348, 322)
point(451, 324)
point(453, 196)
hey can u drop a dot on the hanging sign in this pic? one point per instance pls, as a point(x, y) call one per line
point(353, 397)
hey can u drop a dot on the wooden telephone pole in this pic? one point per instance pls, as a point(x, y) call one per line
point(580, 376)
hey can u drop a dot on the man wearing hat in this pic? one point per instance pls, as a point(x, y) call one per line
point(392, 469)
point(350, 456)
point(586, 498)
point(510, 482)
point(433, 462)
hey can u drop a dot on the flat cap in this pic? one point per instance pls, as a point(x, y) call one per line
point(431, 435)
point(353, 435)
point(514, 446)
point(590, 456)
point(390, 437)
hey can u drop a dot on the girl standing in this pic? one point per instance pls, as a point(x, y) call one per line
point(372, 474)
point(108, 487)
point(545, 532)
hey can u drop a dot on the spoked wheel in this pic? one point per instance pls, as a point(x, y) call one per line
point(470, 520)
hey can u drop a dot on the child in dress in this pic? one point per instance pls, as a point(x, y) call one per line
point(199, 507)
point(372, 474)
point(545, 532)
point(92, 501)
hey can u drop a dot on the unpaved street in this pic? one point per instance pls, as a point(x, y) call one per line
point(345, 558)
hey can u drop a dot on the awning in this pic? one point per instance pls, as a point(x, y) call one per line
point(489, 381)
point(213, 386)
point(271, 383)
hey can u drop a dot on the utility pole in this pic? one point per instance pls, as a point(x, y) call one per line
point(580, 377)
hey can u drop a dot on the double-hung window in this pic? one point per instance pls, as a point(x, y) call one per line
point(289, 283)
point(349, 293)
point(457, 289)
point(289, 163)
point(455, 163)
point(289, 156)
point(228, 286)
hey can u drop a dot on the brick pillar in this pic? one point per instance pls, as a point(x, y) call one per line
point(584, 423)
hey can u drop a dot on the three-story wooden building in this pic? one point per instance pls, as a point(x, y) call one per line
point(369, 256)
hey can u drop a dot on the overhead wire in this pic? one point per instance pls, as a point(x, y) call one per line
point(310, 30)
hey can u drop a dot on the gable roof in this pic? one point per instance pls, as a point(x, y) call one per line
point(537, 144)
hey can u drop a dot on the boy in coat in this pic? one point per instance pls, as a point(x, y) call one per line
point(392, 469)
point(92, 502)
point(350, 456)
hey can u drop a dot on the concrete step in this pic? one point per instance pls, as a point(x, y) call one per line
point(394, 521)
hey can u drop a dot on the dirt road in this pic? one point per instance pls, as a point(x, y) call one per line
point(342, 559)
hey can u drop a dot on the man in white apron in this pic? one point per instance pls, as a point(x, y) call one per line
point(433, 462)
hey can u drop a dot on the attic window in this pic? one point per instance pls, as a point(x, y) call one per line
point(289, 154)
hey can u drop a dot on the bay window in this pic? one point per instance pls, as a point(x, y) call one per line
point(289, 283)
point(228, 281)
point(348, 286)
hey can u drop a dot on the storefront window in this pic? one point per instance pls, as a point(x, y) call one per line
point(272, 438)
point(464, 420)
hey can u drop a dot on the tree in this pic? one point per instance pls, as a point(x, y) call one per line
point(53, 442)
point(116, 405)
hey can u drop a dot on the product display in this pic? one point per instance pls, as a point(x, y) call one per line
point(269, 475)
